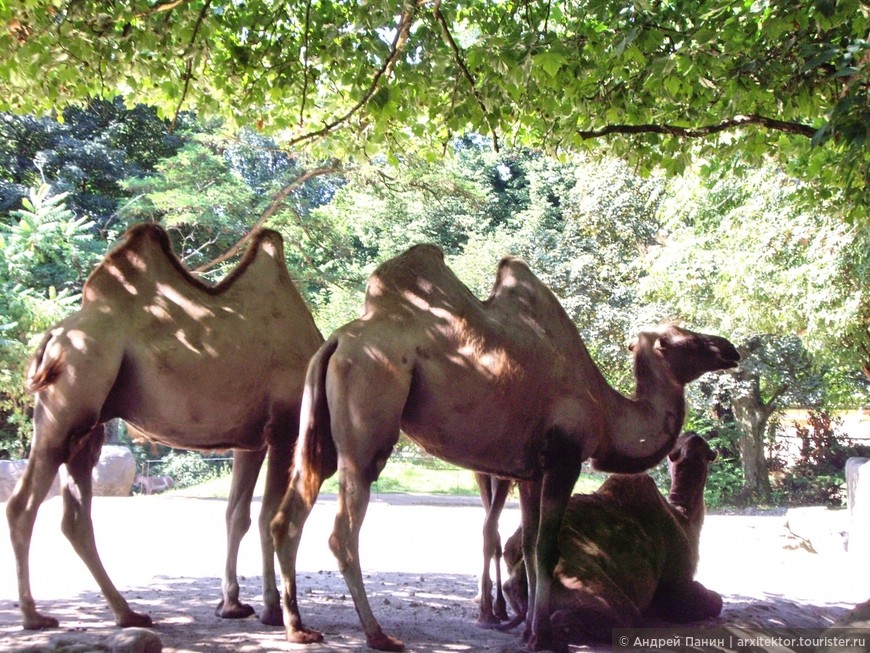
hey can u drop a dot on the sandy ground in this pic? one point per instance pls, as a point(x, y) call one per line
point(421, 558)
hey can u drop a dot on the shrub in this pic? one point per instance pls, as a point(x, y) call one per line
point(818, 475)
point(189, 468)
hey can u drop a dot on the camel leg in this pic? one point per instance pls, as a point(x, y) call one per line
point(530, 516)
point(493, 494)
point(246, 468)
point(556, 489)
point(79, 528)
point(593, 610)
point(354, 492)
point(277, 480)
point(499, 497)
point(286, 528)
point(21, 510)
point(486, 616)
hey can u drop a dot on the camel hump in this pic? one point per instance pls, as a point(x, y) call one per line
point(516, 283)
point(263, 258)
point(425, 251)
point(415, 269)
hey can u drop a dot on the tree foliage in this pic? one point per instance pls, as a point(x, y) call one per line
point(658, 80)
point(44, 259)
point(738, 254)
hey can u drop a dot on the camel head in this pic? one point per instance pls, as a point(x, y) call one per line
point(687, 466)
point(687, 354)
point(691, 450)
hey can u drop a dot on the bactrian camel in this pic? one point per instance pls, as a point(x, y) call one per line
point(505, 386)
point(626, 553)
point(188, 365)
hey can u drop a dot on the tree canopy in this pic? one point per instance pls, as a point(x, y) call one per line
point(658, 81)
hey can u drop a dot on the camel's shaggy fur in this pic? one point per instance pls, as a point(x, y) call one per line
point(627, 553)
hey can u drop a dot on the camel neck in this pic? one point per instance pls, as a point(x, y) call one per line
point(687, 498)
point(643, 429)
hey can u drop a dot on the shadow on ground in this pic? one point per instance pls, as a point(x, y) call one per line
point(433, 613)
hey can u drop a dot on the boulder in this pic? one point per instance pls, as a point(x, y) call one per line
point(11, 471)
point(823, 529)
point(134, 640)
point(114, 473)
point(858, 499)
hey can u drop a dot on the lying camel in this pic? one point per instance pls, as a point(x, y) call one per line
point(627, 553)
point(186, 364)
point(504, 387)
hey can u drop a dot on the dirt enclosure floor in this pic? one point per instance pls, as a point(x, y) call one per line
point(421, 557)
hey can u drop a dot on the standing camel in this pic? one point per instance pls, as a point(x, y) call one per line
point(188, 365)
point(505, 386)
point(627, 553)
point(493, 494)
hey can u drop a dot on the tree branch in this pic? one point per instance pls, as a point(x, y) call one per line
point(460, 62)
point(188, 67)
point(736, 122)
point(769, 406)
point(168, 5)
point(275, 205)
point(305, 70)
point(402, 33)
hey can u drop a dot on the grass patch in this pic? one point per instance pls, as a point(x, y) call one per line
point(399, 476)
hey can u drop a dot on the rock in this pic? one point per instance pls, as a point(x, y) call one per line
point(134, 640)
point(824, 529)
point(77, 643)
point(11, 471)
point(114, 473)
point(858, 496)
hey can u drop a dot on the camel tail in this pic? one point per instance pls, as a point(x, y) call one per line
point(43, 372)
point(315, 453)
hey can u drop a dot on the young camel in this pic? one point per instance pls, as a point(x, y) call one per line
point(188, 365)
point(504, 387)
point(627, 553)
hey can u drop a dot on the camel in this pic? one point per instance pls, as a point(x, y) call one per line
point(188, 365)
point(503, 386)
point(493, 494)
point(627, 553)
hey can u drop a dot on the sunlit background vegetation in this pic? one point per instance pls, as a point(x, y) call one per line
point(738, 254)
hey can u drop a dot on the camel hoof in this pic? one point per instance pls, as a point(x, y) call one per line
point(304, 636)
point(272, 617)
point(233, 611)
point(37, 621)
point(488, 620)
point(135, 620)
point(382, 642)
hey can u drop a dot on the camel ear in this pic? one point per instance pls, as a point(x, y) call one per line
point(712, 455)
point(674, 456)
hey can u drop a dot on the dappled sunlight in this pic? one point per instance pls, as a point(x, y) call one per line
point(187, 364)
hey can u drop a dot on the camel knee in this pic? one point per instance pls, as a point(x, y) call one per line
point(339, 548)
point(239, 521)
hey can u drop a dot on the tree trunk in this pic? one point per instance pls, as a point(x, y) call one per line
point(752, 414)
